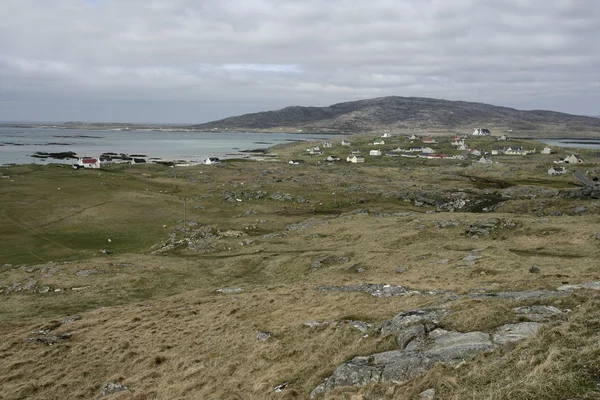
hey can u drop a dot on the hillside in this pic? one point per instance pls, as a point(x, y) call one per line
point(405, 113)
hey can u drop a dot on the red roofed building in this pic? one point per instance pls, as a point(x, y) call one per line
point(87, 162)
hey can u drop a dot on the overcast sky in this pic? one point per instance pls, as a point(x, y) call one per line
point(200, 60)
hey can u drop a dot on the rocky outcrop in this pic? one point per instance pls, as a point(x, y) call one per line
point(422, 343)
point(374, 289)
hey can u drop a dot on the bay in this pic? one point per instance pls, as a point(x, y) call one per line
point(18, 144)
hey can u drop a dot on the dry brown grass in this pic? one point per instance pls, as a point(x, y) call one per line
point(156, 324)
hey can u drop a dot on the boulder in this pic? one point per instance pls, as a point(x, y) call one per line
point(538, 313)
point(515, 332)
point(112, 388)
point(374, 289)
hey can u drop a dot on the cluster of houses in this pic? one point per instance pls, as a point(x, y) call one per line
point(112, 158)
point(459, 142)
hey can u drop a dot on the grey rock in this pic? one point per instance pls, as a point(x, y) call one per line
point(70, 319)
point(598, 236)
point(580, 210)
point(426, 317)
point(50, 340)
point(30, 285)
point(539, 313)
point(534, 269)
point(471, 257)
point(317, 324)
point(587, 285)
point(515, 332)
point(44, 289)
point(400, 270)
point(112, 388)
point(326, 260)
point(263, 336)
point(229, 290)
point(377, 290)
point(86, 272)
point(526, 295)
point(279, 388)
point(360, 325)
point(449, 346)
point(428, 394)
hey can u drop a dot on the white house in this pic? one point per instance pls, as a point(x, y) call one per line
point(412, 137)
point(429, 140)
point(481, 132)
point(557, 171)
point(458, 142)
point(415, 149)
point(356, 151)
point(495, 152)
point(354, 159)
point(475, 152)
point(346, 143)
point(427, 150)
point(375, 153)
point(211, 161)
point(573, 159)
point(87, 162)
point(332, 158)
point(386, 135)
point(296, 162)
point(378, 142)
point(327, 145)
point(463, 147)
point(546, 150)
point(517, 151)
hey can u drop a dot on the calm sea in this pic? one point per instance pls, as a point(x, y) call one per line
point(18, 144)
point(573, 143)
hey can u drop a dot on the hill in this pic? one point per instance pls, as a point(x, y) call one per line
point(405, 113)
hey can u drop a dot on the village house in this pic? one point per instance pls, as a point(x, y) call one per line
point(458, 142)
point(378, 142)
point(375, 153)
point(327, 145)
point(391, 153)
point(346, 143)
point(412, 137)
point(356, 151)
point(296, 162)
point(211, 161)
point(354, 159)
point(557, 171)
point(517, 151)
point(475, 152)
point(408, 154)
point(315, 151)
point(429, 140)
point(502, 137)
point(87, 162)
point(332, 158)
point(546, 150)
point(496, 152)
point(415, 149)
point(573, 159)
point(427, 150)
point(463, 147)
point(386, 135)
point(481, 132)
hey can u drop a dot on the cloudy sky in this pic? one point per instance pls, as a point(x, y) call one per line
point(199, 60)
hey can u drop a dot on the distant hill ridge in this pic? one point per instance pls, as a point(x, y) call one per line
point(401, 113)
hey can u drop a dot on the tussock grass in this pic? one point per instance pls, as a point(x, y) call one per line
point(156, 324)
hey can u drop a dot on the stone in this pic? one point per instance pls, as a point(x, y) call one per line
point(587, 285)
point(112, 388)
point(449, 346)
point(598, 236)
point(316, 324)
point(325, 260)
point(230, 290)
point(515, 332)
point(263, 336)
point(374, 289)
point(426, 317)
point(86, 272)
point(44, 289)
point(534, 269)
point(281, 387)
point(360, 325)
point(428, 394)
point(580, 210)
point(538, 313)
point(400, 270)
point(70, 319)
point(525, 295)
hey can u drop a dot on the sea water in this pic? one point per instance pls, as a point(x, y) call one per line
point(17, 145)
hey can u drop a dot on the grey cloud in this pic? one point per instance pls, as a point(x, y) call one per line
point(230, 56)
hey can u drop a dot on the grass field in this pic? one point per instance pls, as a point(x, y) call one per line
point(156, 323)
